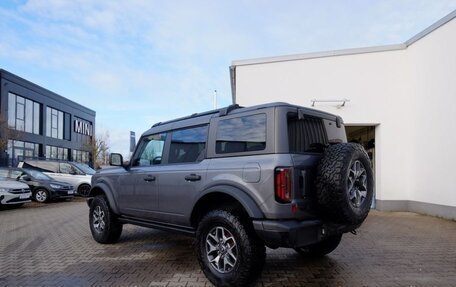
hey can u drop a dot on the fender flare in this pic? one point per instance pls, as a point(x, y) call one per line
point(107, 192)
point(250, 206)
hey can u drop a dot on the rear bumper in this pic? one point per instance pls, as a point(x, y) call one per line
point(294, 233)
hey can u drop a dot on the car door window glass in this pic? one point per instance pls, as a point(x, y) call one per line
point(242, 134)
point(187, 144)
point(16, 174)
point(151, 150)
point(68, 168)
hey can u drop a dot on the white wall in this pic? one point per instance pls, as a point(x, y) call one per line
point(432, 66)
point(410, 93)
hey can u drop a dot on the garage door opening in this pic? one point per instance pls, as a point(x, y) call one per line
point(364, 135)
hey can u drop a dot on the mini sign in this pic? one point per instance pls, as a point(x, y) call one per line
point(83, 128)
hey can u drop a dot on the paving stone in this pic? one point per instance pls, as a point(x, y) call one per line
point(51, 245)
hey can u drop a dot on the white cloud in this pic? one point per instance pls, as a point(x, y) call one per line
point(138, 62)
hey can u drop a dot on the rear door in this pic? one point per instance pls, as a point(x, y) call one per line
point(184, 175)
point(68, 173)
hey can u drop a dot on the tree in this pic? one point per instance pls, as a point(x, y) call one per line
point(99, 147)
point(6, 133)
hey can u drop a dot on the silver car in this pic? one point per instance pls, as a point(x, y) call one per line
point(77, 174)
point(14, 193)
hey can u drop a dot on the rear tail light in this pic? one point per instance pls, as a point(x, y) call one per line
point(283, 185)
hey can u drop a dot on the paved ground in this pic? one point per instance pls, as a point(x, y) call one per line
point(51, 245)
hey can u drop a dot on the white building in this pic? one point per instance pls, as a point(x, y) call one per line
point(402, 96)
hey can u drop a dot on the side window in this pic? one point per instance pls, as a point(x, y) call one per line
point(16, 174)
point(68, 168)
point(151, 151)
point(306, 135)
point(188, 144)
point(241, 134)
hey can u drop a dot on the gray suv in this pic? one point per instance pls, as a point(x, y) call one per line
point(239, 179)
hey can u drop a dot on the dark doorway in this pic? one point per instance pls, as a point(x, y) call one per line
point(364, 135)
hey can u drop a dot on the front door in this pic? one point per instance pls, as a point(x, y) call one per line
point(138, 187)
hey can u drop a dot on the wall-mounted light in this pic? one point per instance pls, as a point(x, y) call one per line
point(342, 102)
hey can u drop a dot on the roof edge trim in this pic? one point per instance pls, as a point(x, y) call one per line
point(431, 28)
point(344, 52)
point(305, 56)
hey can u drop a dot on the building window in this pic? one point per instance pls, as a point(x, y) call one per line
point(20, 150)
point(23, 114)
point(81, 156)
point(54, 123)
point(53, 152)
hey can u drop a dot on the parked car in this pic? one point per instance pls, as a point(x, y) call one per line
point(13, 193)
point(43, 187)
point(239, 179)
point(77, 174)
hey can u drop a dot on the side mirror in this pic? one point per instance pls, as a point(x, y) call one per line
point(26, 178)
point(116, 159)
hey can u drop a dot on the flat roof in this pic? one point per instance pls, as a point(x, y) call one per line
point(344, 52)
point(32, 86)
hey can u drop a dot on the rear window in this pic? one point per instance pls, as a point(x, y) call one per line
point(306, 135)
point(241, 134)
point(44, 166)
point(85, 168)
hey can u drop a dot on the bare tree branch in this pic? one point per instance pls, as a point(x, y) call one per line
point(100, 149)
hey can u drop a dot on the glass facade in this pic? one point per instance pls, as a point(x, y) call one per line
point(54, 123)
point(42, 125)
point(54, 152)
point(24, 114)
point(81, 156)
point(18, 150)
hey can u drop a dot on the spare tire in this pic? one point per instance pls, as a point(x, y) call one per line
point(344, 184)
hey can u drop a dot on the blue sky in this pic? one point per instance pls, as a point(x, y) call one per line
point(139, 62)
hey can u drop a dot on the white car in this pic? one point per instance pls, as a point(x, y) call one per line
point(77, 174)
point(14, 193)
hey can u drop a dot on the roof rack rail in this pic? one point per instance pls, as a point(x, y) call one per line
point(187, 117)
point(223, 112)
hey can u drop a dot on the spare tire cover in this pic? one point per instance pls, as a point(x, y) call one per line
point(344, 184)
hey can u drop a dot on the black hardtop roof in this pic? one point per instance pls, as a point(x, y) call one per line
point(232, 109)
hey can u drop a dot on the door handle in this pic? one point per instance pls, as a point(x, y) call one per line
point(193, 177)
point(149, 178)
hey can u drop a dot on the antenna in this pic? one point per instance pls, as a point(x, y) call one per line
point(215, 99)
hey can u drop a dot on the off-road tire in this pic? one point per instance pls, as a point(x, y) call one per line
point(103, 222)
point(250, 250)
point(334, 176)
point(321, 248)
